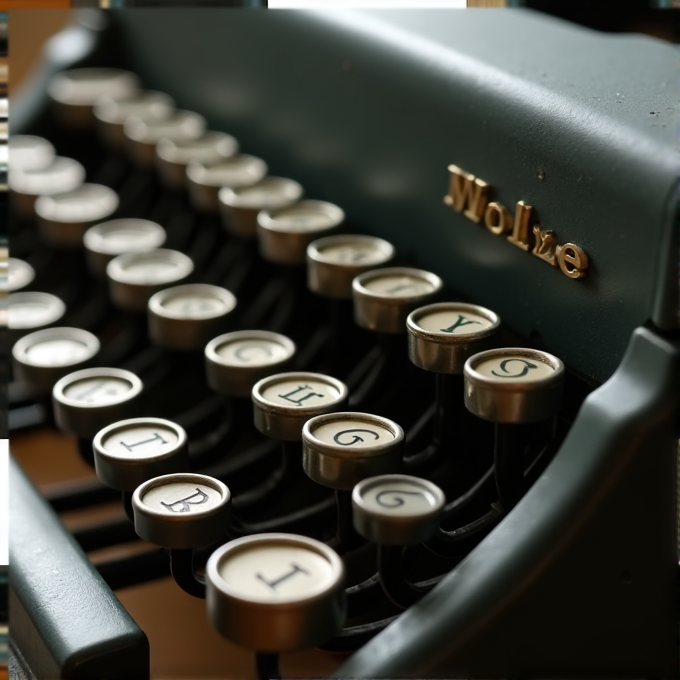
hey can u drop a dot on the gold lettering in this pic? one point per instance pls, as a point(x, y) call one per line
point(467, 194)
point(544, 245)
point(573, 260)
point(497, 218)
point(520, 231)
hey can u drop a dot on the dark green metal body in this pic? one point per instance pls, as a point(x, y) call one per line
point(64, 619)
point(368, 110)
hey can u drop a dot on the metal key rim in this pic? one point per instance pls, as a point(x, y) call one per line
point(310, 440)
point(238, 545)
point(22, 346)
point(361, 291)
point(451, 339)
point(480, 380)
point(157, 300)
point(85, 373)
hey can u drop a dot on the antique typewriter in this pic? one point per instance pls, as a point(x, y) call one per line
point(441, 250)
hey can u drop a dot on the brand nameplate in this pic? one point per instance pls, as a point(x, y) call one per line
point(471, 196)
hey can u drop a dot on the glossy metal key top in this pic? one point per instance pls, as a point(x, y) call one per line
point(236, 361)
point(276, 592)
point(129, 452)
point(109, 239)
point(64, 218)
point(88, 400)
point(174, 155)
point(43, 357)
point(333, 262)
point(443, 336)
point(187, 317)
point(19, 274)
point(341, 449)
point(111, 112)
point(384, 298)
point(182, 510)
point(142, 134)
point(284, 234)
point(240, 206)
point(62, 174)
point(204, 180)
point(32, 310)
point(75, 92)
point(285, 401)
point(30, 152)
point(135, 277)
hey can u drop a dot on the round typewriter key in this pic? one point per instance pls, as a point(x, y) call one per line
point(276, 592)
point(333, 262)
point(284, 234)
point(187, 317)
point(111, 112)
point(204, 181)
point(63, 174)
point(109, 239)
point(29, 311)
point(29, 152)
point(64, 218)
point(142, 135)
point(130, 452)
point(285, 401)
point(135, 277)
point(88, 400)
point(443, 336)
point(19, 274)
point(173, 155)
point(397, 509)
point(76, 91)
point(513, 385)
point(236, 361)
point(42, 357)
point(384, 298)
point(182, 510)
point(341, 449)
point(240, 206)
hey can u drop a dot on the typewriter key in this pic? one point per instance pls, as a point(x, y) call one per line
point(109, 239)
point(130, 452)
point(75, 92)
point(142, 135)
point(204, 180)
point(397, 509)
point(333, 262)
point(173, 155)
point(87, 401)
point(341, 449)
point(236, 361)
point(187, 317)
point(285, 401)
point(182, 510)
point(276, 592)
point(62, 174)
point(112, 111)
point(64, 218)
point(240, 206)
point(443, 336)
point(135, 277)
point(19, 274)
point(30, 311)
point(513, 385)
point(29, 152)
point(284, 234)
point(384, 298)
point(43, 357)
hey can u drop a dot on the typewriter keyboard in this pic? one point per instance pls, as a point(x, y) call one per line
point(300, 425)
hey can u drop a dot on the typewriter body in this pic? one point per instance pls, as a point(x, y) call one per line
point(415, 122)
